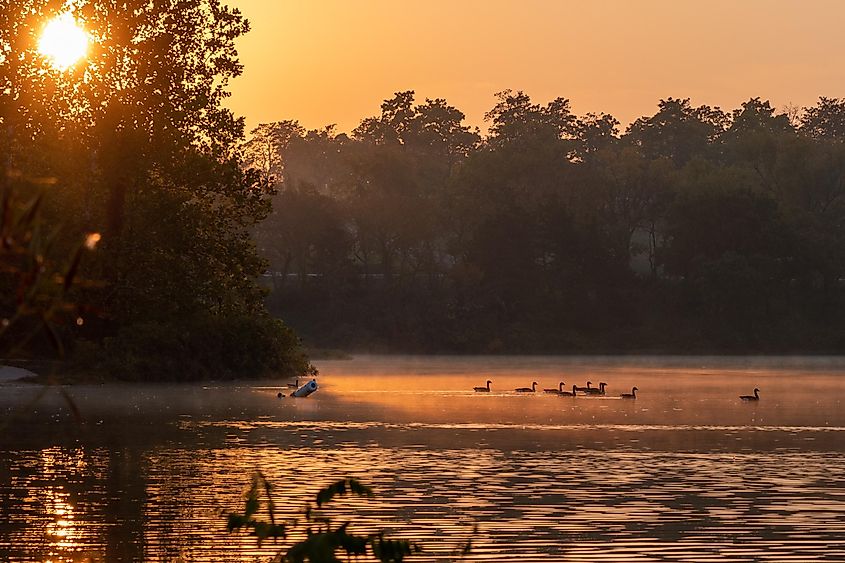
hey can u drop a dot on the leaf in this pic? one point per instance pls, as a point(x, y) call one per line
point(251, 506)
point(318, 548)
point(389, 551)
point(264, 530)
point(32, 211)
point(74, 266)
point(342, 487)
point(351, 544)
point(235, 522)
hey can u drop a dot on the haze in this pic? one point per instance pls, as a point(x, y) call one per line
point(335, 61)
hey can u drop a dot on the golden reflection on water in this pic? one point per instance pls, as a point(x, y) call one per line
point(535, 505)
point(684, 473)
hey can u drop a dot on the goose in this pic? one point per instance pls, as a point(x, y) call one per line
point(567, 393)
point(631, 395)
point(295, 384)
point(584, 389)
point(557, 391)
point(594, 391)
point(527, 389)
point(483, 389)
point(754, 397)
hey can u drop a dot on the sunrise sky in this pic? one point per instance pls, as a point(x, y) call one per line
point(333, 61)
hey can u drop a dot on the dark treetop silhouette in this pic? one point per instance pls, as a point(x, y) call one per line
point(695, 230)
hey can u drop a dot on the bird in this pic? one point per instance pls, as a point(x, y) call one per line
point(631, 395)
point(295, 384)
point(557, 391)
point(754, 397)
point(483, 389)
point(527, 389)
point(567, 393)
point(594, 391)
point(584, 389)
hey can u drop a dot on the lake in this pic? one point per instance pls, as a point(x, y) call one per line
point(686, 472)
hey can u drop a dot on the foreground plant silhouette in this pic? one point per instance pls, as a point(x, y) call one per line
point(323, 543)
point(39, 268)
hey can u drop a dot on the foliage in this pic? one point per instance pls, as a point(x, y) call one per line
point(324, 542)
point(138, 146)
point(36, 275)
point(229, 348)
point(696, 229)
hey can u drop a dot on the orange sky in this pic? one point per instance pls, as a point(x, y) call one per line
point(333, 61)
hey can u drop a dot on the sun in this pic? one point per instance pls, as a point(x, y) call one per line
point(63, 41)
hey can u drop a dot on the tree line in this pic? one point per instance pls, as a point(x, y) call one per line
point(692, 230)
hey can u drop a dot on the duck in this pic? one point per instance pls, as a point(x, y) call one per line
point(631, 395)
point(531, 389)
point(594, 391)
point(754, 397)
point(557, 391)
point(483, 389)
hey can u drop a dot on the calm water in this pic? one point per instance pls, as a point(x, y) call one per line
point(686, 472)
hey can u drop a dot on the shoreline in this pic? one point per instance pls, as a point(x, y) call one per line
point(56, 373)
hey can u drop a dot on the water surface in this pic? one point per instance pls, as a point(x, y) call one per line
point(687, 472)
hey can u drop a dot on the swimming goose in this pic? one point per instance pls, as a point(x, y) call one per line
point(483, 389)
point(754, 397)
point(527, 389)
point(631, 395)
point(557, 391)
point(594, 391)
point(584, 389)
point(294, 385)
point(567, 393)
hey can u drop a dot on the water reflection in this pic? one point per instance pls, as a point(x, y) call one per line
point(689, 474)
point(583, 505)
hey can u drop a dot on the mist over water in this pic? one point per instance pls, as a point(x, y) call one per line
point(687, 472)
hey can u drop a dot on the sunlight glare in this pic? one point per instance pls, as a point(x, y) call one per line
point(63, 41)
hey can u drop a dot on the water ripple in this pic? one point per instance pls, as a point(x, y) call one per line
point(583, 505)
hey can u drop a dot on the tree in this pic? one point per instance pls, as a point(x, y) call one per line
point(825, 120)
point(141, 149)
point(595, 132)
point(515, 120)
point(678, 131)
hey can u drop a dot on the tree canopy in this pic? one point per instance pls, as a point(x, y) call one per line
point(694, 229)
point(136, 145)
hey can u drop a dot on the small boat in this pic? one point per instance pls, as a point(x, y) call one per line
point(305, 390)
